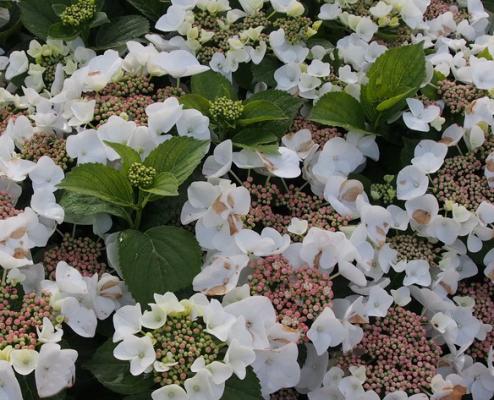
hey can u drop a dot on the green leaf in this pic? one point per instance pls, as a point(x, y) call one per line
point(61, 31)
point(99, 19)
point(58, 8)
point(398, 71)
point(162, 259)
point(339, 109)
point(152, 9)
point(78, 207)
point(120, 30)
point(100, 181)
point(286, 102)
point(195, 101)
point(127, 154)
point(38, 16)
point(264, 71)
point(259, 111)
point(254, 139)
point(212, 85)
point(179, 156)
point(247, 389)
point(393, 101)
point(165, 184)
point(115, 374)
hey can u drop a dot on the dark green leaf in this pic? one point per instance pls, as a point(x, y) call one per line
point(212, 85)
point(288, 103)
point(253, 138)
point(162, 259)
point(78, 207)
point(259, 111)
point(61, 31)
point(58, 8)
point(247, 389)
point(165, 184)
point(120, 30)
point(152, 9)
point(114, 374)
point(99, 181)
point(339, 109)
point(264, 71)
point(127, 154)
point(37, 16)
point(99, 19)
point(195, 101)
point(179, 156)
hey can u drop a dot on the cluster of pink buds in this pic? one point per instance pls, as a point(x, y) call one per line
point(396, 353)
point(298, 295)
point(483, 294)
point(20, 315)
point(320, 134)
point(7, 209)
point(274, 207)
point(83, 254)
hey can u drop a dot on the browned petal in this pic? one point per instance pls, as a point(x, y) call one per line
point(352, 194)
point(18, 233)
point(422, 217)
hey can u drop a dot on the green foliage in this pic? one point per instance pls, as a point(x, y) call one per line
point(114, 374)
point(38, 16)
point(396, 75)
point(162, 259)
point(339, 109)
point(99, 181)
point(259, 111)
point(212, 85)
point(152, 9)
point(247, 389)
point(120, 30)
point(179, 156)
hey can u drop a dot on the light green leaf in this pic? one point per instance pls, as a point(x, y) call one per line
point(61, 31)
point(78, 207)
point(58, 8)
point(100, 181)
point(398, 71)
point(212, 85)
point(260, 111)
point(247, 389)
point(127, 154)
point(255, 139)
point(179, 156)
point(195, 101)
point(115, 374)
point(339, 109)
point(120, 30)
point(162, 259)
point(165, 184)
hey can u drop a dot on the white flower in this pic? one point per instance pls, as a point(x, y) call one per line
point(401, 296)
point(81, 112)
point(342, 194)
point(193, 124)
point(201, 387)
point(172, 20)
point(220, 162)
point(445, 229)
point(269, 242)
point(9, 386)
point(301, 142)
point(127, 321)
point(285, 164)
point(46, 174)
point(287, 77)
point(411, 182)
point(24, 361)
point(163, 116)
point(138, 350)
point(86, 147)
point(277, 368)
point(417, 272)
point(55, 370)
point(218, 321)
point(420, 117)
point(378, 303)
point(169, 392)
point(482, 73)
point(298, 226)
point(326, 331)
point(48, 334)
point(44, 203)
point(429, 155)
point(313, 371)
point(293, 8)
point(178, 64)
point(238, 357)
point(18, 64)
